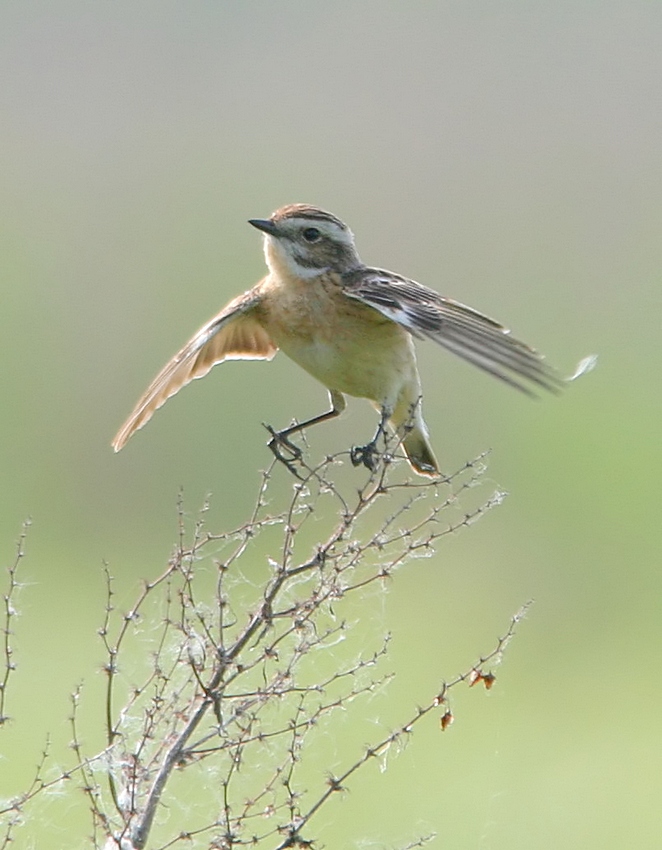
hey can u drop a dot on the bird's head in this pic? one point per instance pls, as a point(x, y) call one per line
point(306, 241)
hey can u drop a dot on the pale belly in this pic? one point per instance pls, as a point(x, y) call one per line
point(374, 362)
point(345, 345)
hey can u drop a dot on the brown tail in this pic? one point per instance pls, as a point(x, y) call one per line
point(419, 453)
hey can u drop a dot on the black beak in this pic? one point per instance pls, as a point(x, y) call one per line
point(264, 224)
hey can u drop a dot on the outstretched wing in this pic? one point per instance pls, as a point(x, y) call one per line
point(234, 334)
point(465, 332)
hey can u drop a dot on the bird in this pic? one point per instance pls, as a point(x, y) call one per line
point(350, 326)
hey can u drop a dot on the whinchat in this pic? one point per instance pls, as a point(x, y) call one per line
point(350, 326)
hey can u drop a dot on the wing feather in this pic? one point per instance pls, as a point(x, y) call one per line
point(234, 334)
point(462, 330)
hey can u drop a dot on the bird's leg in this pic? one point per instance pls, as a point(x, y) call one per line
point(367, 455)
point(281, 439)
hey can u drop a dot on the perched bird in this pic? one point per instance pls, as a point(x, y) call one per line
point(350, 326)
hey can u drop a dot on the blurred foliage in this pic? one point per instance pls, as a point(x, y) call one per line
point(506, 154)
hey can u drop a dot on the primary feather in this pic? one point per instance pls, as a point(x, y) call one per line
point(462, 330)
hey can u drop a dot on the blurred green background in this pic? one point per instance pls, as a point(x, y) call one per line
point(508, 154)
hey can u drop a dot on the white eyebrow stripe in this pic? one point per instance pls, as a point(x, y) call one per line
point(328, 228)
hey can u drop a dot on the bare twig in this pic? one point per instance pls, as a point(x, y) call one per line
point(225, 665)
point(9, 615)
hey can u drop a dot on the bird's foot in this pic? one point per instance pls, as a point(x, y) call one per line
point(366, 455)
point(279, 441)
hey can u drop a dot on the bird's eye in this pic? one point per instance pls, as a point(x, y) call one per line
point(311, 234)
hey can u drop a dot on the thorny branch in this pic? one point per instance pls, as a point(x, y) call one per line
point(232, 649)
point(9, 615)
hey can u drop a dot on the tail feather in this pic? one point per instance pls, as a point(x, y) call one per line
point(419, 453)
